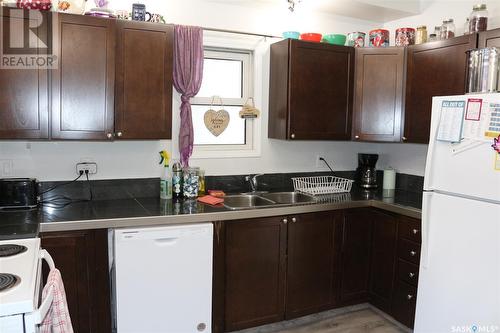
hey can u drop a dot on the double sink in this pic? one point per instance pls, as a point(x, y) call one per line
point(265, 200)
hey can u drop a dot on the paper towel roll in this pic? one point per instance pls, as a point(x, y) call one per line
point(389, 179)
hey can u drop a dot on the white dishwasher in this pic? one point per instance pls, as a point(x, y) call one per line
point(162, 279)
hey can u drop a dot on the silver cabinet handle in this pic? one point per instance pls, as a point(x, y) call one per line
point(292, 136)
point(119, 134)
point(413, 253)
point(356, 137)
point(411, 275)
point(109, 135)
point(409, 296)
point(285, 221)
point(404, 138)
point(415, 231)
point(294, 219)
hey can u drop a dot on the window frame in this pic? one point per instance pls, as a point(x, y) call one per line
point(251, 147)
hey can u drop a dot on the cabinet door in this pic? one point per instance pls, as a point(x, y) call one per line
point(378, 101)
point(83, 83)
point(383, 259)
point(82, 258)
point(310, 279)
point(433, 69)
point(320, 91)
point(356, 248)
point(255, 272)
point(24, 92)
point(144, 67)
point(490, 38)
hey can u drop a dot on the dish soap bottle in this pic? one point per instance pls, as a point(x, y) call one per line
point(166, 176)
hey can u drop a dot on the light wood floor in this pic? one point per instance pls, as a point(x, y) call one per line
point(357, 319)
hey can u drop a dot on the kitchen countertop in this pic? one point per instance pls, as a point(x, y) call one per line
point(140, 212)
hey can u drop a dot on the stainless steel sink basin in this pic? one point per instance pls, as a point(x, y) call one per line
point(288, 198)
point(246, 201)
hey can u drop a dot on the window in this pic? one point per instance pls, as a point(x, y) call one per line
point(228, 74)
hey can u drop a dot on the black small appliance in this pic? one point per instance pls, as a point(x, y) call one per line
point(366, 174)
point(18, 193)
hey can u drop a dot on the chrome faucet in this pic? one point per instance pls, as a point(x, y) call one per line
point(253, 182)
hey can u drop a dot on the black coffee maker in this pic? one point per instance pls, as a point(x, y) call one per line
point(366, 175)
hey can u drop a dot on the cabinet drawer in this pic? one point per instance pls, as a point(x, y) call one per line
point(404, 303)
point(408, 272)
point(410, 229)
point(409, 251)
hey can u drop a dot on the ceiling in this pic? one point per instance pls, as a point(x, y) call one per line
point(371, 10)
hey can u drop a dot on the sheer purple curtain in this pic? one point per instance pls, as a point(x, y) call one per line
point(188, 74)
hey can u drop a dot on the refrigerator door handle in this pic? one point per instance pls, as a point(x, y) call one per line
point(426, 208)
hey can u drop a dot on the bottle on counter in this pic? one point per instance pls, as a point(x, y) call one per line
point(421, 34)
point(448, 29)
point(478, 19)
point(201, 183)
point(437, 32)
point(177, 181)
point(165, 177)
point(467, 26)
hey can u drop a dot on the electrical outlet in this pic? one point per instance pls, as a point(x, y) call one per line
point(6, 168)
point(90, 166)
point(319, 163)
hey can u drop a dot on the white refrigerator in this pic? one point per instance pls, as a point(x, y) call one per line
point(459, 281)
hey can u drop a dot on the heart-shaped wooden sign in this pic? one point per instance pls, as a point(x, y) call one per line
point(216, 121)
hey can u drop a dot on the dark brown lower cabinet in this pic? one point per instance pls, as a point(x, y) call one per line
point(278, 268)
point(404, 303)
point(383, 259)
point(255, 267)
point(82, 258)
point(310, 273)
point(356, 248)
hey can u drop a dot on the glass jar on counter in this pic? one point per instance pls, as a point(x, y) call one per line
point(433, 38)
point(201, 187)
point(478, 19)
point(467, 26)
point(448, 29)
point(437, 32)
point(421, 34)
point(405, 36)
point(190, 182)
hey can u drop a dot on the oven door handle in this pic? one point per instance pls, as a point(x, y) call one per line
point(40, 314)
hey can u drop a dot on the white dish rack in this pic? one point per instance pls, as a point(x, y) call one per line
point(322, 185)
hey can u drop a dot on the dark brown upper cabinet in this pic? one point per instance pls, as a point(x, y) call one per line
point(378, 94)
point(83, 83)
point(24, 94)
point(311, 91)
point(433, 69)
point(144, 67)
point(490, 38)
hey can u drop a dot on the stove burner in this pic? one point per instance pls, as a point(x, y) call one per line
point(8, 250)
point(7, 281)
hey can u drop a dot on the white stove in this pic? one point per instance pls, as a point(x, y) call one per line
point(20, 285)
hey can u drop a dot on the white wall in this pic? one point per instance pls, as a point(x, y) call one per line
point(56, 160)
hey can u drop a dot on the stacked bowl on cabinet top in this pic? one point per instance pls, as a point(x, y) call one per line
point(476, 22)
